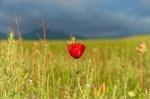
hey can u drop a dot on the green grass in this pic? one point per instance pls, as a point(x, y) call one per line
point(109, 69)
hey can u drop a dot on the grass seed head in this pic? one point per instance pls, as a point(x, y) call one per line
point(142, 48)
point(99, 91)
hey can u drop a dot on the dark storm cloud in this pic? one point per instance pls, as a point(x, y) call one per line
point(85, 17)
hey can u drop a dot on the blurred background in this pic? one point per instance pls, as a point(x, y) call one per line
point(82, 18)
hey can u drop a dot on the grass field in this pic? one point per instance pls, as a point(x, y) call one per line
point(109, 69)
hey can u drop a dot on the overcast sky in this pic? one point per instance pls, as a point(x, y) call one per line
point(84, 17)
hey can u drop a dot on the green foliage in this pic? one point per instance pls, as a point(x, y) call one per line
point(109, 69)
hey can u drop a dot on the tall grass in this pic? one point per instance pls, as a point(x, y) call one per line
point(109, 69)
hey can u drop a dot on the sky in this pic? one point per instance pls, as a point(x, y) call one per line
point(89, 18)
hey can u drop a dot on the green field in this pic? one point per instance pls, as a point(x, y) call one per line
point(109, 69)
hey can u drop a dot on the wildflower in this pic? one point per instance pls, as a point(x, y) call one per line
point(76, 49)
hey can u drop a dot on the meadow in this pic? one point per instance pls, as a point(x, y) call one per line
point(109, 69)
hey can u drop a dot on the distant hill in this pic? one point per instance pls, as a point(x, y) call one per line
point(37, 34)
point(118, 36)
point(3, 35)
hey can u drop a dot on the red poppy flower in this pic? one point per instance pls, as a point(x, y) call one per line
point(76, 50)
